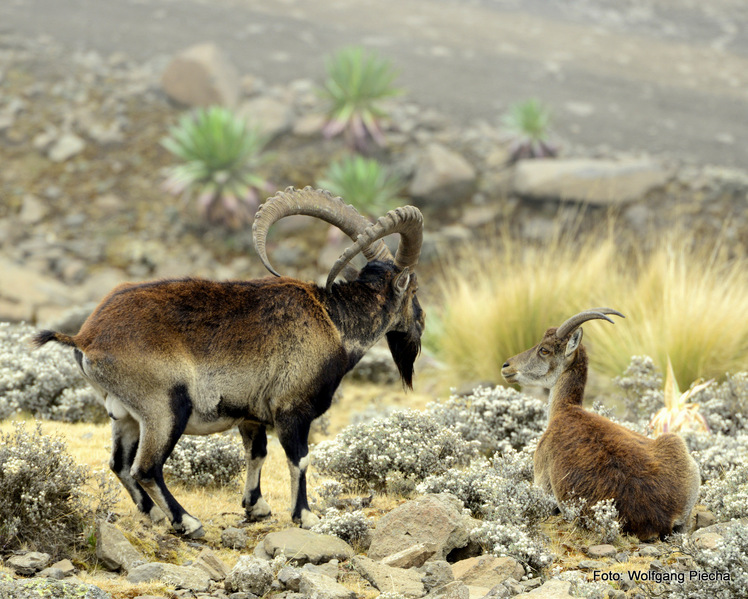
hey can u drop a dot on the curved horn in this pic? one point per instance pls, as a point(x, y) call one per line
point(312, 202)
point(406, 220)
point(577, 320)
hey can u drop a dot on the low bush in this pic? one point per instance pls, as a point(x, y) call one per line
point(43, 499)
point(349, 526)
point(45, 382)
point(212, 460)
point(409, 442)
point(495, 417)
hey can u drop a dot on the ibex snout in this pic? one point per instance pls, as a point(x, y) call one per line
point(509, 372)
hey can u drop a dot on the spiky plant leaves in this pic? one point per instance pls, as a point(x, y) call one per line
point(357, 80)
point(528, 124)
point(219, 153)
point(363, 182)
point(679, 413)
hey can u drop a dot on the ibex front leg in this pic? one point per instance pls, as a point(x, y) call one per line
point(293, 433)
point(255, 450)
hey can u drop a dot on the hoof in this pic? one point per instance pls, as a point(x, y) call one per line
point(190, 527)
point(156, 515)
point(308, 519)
point(259, 511)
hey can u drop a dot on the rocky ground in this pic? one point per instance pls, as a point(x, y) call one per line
point(83, 208)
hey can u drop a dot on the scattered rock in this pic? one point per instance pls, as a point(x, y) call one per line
point(436, 574)
point(271, 116)
point(319, 586)
point(454, 590)
point(33, 210)
point(591, 564)
point(388, 579)
point(113, 549)
point(64, 148)
point(211, 564)
point(249, 575)
point(703, 539)
point(304, 546)
point(598, 551)
point(601, 182)
point(432, 519)
point(704, 519)
point(649, 551)
point(47, 587)
point(234, 538)
point(182, 577)
point(201, 76)
point(29, 563)
point(412, 557)
point(487, 570)
point(553, 589)
point(441, 176)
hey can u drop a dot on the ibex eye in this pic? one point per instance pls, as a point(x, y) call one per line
point(543, 351)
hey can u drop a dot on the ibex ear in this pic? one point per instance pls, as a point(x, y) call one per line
point(402, 280)
point(574, 341)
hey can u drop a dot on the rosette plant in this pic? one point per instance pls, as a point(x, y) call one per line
point(219, 154)
point(363, 182)
point(528, 125)
point(357, 81)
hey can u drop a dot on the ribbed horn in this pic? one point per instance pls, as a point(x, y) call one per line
point(406, 220)
point(312, 202)
point(578, 319)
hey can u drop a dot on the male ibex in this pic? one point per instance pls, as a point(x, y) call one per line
point(196, 356)
point(654, 482)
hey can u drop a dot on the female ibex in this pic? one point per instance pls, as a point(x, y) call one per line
point(196, 356)
point(654, 482)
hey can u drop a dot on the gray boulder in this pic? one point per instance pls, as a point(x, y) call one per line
point(29, 563)
point(182, 577)
point(388, 579)
point(43, 588)
point(249, 575)
point(113, 549)
point(441, 176)
point(201, 75)
point(319, 586)
point(434, 519)
point(304, 546)
point(600, 182)
point(487, 570)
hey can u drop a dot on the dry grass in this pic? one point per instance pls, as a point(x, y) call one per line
point(680, 299)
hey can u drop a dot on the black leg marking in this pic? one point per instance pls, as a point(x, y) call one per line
point(255, 450)
point(293, 433)
point(125, 434)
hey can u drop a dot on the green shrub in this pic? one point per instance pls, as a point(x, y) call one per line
point(528, 124)
point(364, 183)
point(357, 81)
point(220, 153)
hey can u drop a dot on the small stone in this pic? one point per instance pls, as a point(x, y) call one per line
point(249, 575)
point(457, 590)
point(66, 147)
point(211, 564)
point(707, 540)
point(435, 574)
point(201, 76)
point(33, 210)
point(597, 551)
point(182, 577)
point(29, 563)
point(319, 586)
point(589, 564)
point(234, 538)
point(704, 518)
point(412, 557)
point(114, 550)
point(302, 546)
point(53, 573)
point(649, 551)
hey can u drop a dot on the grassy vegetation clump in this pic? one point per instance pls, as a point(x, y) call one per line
point(42, 498)
point(680, 300)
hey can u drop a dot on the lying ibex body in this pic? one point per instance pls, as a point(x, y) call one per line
point(197, 356)
point(653, 482)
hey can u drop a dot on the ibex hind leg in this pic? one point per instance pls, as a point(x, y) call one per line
point(159, 433)
point(125, 438)
point(255, 450)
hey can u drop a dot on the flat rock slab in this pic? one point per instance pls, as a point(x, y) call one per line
point(487, 570)
point(182, 577)
point(28, 563)
point(407, 583)
point(553, 589)
point(304, 546)
point(601, 182)
point(605, 550)
point(113, 549)
point(43, 588)
point(321, 586)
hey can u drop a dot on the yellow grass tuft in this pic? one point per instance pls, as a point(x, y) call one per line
point(496, 299)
